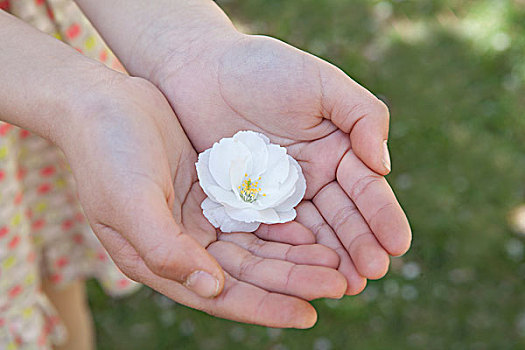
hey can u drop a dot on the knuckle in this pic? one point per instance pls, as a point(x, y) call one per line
point(320, 229)
point(343, 215)
point(380, 110)
point(247, 265)
point(360, 186)
point(160, 259)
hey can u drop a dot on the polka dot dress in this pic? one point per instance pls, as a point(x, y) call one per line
point(43, 232)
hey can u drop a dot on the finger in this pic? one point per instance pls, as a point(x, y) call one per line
point(356, 111)
point(147, 223)
point(239, 301)
point(244, 302)
point(308, 215)
point(311, 254)
point(291, 232)
point(377, 203)
point(369, 257)
point(306, 282)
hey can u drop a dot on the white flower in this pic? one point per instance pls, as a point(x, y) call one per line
point(249, 181)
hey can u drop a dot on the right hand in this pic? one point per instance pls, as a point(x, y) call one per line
point(137, 183)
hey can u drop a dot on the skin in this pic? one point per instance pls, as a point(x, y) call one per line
point(136, 181)
point(157, 247)
point(220, 81)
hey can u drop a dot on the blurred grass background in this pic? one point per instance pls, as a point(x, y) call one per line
point(453, 73)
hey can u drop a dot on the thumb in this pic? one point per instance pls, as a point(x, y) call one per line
point(150, 228)
point(356, 111)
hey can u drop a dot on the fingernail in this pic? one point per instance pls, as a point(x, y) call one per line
point(386, 155)
point(203, 284)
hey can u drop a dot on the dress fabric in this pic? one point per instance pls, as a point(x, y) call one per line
point(43, 231)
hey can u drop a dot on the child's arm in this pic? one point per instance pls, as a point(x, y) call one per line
point(107, 124)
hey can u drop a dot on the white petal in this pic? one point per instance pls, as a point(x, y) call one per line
point(217, 216)
point(267, 216)
point(230, 225)
point(222, 155)
point(286, 216)
point(258, 148)
point(237, 171)
point(278, 167)
point(298, 194)
point(278, 194)
point(203, 172)
point(213, 211)
point(224, 197)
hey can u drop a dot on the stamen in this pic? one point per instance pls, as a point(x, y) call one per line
point(249, 191)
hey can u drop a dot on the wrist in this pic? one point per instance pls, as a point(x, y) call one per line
point(86, 103)
point(180, 32)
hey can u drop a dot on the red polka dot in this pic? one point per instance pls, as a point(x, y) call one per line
point(21, 173)
point(117, 66)
point(18, 340)
point(2, 175)
point(73, 31)
point(16, 290)
point(79, 49)
point(38, 224)
point(122, 283)
point(31, 257)
point(79, 217)
point(50, 13)
point(61, 262)
point(103, 56)
point(2, 322)
point(78, 238)
point(14, 242)
point(4, 128)
point(101, 256)
point(29, 213)
point(4, 5)
point(67, 224)
point(56, 278)
point(24, 133)
point(44, 188)
point(18, 198)
point(42, 339)
point(39, 2)
point(54, 320)
point(4, 231)
point(47, 171)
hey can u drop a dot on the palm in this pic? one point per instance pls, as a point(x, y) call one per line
point(261, 84)
point(260, 275)
point(137, 182)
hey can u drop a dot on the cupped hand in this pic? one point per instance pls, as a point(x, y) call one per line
point(334, 127)
point(136, 179)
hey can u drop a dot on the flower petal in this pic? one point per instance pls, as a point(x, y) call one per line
point(229, 198)
point(222, 155)
point(217, 216)
point(286, 216)
point(300, 189)
point(279, 192)
point(237, 171)
point(203, 172)
point(267, 216)
point(277, 168)
point(258, 148)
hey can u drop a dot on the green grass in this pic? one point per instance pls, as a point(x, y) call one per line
point(453, 74)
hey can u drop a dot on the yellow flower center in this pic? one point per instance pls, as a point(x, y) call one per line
point(249, 190)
